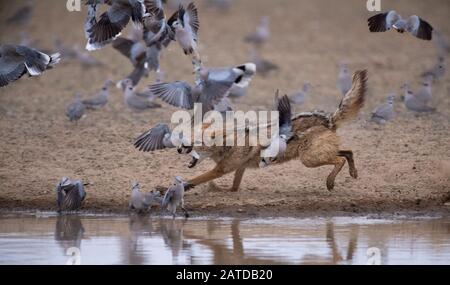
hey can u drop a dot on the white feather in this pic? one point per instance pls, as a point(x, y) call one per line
point(32, 70)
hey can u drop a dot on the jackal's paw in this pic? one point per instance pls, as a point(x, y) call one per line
point(232, 189)
point(354, 173)
point(188, 186)
point(214, 187)
point(330, 185)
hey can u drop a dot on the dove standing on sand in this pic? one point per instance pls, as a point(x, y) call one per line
point(112, 22)
point(261, 35)
point(344, 82)
point(70, 195)
point(385, 112)
point(75, 110)
point(300, 96)
point(135, 102)
point(146, 94)
point(278, 144)
point(392, 20)
point(425, 93)
point(174, 197)
point(143, 201)
point(100, 99)
point(16, 61)
point(437, 72)
point(414, 104)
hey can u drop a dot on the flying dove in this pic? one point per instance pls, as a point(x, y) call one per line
point(17, 60)
point(391, 20)
point(111, 23)
point(215, 84)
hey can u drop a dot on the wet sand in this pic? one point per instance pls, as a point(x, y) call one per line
point(404, 166)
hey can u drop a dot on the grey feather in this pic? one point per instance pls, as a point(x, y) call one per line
point(157, 138)
point(70, 194)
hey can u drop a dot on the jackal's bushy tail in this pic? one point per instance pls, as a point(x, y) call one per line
point(353, 101)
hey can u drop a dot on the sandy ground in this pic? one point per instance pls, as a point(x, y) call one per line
point(404, 166)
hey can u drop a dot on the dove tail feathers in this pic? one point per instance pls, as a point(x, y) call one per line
point(54, 60)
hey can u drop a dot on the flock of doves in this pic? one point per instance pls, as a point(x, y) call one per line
point(152, 33)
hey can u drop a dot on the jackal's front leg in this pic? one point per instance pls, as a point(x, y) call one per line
point(239, 174)
point(206, 177)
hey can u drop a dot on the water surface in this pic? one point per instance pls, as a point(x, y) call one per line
point(31, 239)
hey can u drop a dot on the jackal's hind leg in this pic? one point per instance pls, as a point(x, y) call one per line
point(238, 175)
point(338, 164)
point(348, 154)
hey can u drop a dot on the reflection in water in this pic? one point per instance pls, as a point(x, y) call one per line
point(143, 240)
point(139, 227)
point(172, 233)
point(68, 231)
